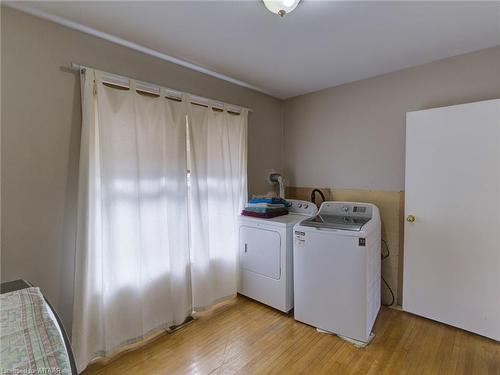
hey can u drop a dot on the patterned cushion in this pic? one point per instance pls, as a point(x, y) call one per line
point(29, 339)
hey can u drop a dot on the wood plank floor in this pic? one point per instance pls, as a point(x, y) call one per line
point(242, 336)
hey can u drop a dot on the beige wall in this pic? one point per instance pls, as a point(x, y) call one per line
point(41, 135)
point(353, 136)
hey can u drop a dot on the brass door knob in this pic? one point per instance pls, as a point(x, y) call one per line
point(410, 218)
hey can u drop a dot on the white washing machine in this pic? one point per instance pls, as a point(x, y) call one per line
point(337, 269)
point(266, 256)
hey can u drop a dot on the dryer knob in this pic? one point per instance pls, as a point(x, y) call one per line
point(306, 205)
point(300, 205)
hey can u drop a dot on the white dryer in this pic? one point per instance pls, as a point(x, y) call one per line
point(266, 256)
point(337, 269)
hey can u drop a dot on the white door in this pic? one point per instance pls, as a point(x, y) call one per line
point(260, 251)
point(452, 248)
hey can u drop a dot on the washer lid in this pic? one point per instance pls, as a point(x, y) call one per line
point(336, 222)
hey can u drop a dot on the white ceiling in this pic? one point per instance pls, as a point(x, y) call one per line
point(321, 44)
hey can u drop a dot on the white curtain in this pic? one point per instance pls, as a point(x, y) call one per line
point(218, 190)
point(132, 263)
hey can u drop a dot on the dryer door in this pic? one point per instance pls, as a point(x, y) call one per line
point(260, 251)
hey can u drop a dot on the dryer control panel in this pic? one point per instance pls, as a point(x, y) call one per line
point(302, 207)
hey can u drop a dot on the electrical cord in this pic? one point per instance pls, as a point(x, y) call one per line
point(388, 251)
point(392, 294)
point(385, 256)
point(313, 195)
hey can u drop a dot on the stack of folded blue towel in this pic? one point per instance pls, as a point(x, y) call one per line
point(266, 207)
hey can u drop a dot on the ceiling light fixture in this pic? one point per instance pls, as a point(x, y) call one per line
point(281, 7)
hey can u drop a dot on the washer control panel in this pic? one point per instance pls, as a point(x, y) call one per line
point(346, 209)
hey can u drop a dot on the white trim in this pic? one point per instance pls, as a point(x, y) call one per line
point(125, 43)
